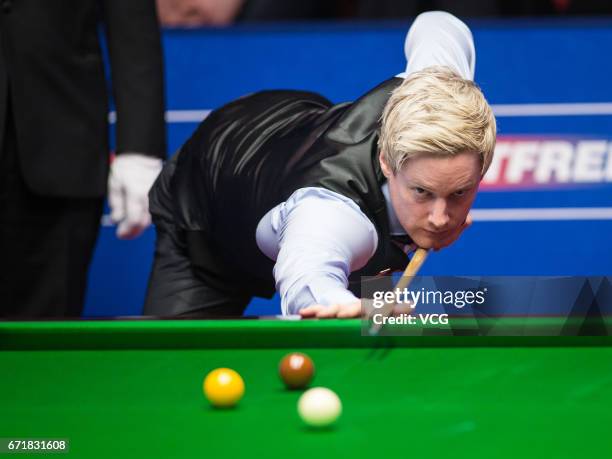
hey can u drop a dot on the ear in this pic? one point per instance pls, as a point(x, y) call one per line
point(386, 170)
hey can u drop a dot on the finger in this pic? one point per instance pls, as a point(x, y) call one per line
point(137, 217)
point(350, 310)
point(311, 311)
point(125, 230)
point(129, 230)
point(329, 312)
point(136, 210)
point(115, 200)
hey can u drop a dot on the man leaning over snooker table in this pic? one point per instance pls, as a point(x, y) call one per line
point(283, 190)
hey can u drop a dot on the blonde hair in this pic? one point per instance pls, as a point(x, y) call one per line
point(435, 111)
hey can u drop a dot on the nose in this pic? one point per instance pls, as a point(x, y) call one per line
point(438, 216)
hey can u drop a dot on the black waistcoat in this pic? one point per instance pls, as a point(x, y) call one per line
point(252, 154)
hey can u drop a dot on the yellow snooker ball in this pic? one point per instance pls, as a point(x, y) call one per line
point(223, 387)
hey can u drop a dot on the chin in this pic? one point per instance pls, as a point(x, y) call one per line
point(425, 241)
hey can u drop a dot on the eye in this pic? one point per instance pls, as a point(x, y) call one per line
point(460, 193)
point(421, 194)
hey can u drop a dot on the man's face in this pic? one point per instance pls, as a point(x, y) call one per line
point(432, 196)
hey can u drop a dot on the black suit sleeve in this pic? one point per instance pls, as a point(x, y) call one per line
point(134, 46)
point(3, 94)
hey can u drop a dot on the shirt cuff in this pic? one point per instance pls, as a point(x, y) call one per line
point(327, 292)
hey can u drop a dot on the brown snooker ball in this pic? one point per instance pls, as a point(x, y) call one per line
point(296, 370)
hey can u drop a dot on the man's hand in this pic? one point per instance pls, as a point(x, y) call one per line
point(347, 311)
point(341, 311)
point(454, 235)
point(131, 177)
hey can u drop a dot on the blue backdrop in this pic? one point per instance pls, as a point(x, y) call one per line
point(549, 83)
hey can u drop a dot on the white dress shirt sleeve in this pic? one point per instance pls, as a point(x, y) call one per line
point(439, 38)
point(317, 238)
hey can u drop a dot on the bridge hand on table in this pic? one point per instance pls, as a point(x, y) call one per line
point(346, 311)
point(341, 311)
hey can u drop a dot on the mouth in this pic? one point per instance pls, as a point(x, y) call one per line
point(436, 233)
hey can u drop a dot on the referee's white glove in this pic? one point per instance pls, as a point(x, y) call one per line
point(131, 177)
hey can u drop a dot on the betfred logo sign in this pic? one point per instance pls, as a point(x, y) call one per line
point(530, 162)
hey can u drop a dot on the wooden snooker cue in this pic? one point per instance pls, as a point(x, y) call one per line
point(417, 260)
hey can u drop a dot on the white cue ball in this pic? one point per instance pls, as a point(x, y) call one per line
point(319, 407)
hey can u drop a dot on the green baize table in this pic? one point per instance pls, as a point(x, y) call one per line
point(127, 389)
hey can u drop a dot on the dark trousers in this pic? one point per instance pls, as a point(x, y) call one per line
point(46, 243)
point(187, 278)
